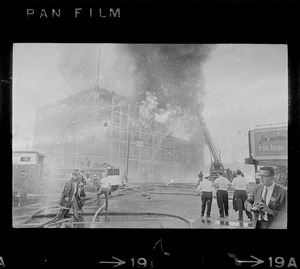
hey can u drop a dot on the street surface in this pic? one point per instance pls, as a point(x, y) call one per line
point(138, 206)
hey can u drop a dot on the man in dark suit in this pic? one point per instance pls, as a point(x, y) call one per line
point(270, 201)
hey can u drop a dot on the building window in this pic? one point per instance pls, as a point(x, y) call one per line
point(158, 171)
point(147, 139)
point(134, 123)
point(124, 109)
point(123, 134)
point(115, 133)
point(192, 147)
point(168, 143)
point(168, 171)
point(146, 153)
point(117, 109)
point(134, 110)
point(116, 119)
point(123, 151)
point(158, 154)
point(133, 151)
point(146, 129)
point(124, 120)
point(158, 141)
point(168, 155)
point(177, 145)
point(145, 168)
point(159, 128)
point(178, 169)
point(186, 147)
point(134, 136)
point(186, 157)
point(133, 166)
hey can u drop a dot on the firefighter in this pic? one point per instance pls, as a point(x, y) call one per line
point(69, 198)
point(81, 194)
point(104, 188)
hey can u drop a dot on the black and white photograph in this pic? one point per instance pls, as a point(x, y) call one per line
point(150, 135)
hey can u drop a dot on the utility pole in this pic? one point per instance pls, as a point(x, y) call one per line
point(27, 139)
point(111, 127)
point(128, 142)
point(98, 67)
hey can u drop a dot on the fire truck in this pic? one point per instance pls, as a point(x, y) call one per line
point(112, 174)
point(28, 173)
point(216, 163)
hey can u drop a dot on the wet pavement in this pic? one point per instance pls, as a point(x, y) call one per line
point(144, 206)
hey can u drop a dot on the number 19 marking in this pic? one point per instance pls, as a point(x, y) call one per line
point(141, 262)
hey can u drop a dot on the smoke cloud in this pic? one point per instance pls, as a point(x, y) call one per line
point(163, 79)
point(171, 72)
point(82, 64)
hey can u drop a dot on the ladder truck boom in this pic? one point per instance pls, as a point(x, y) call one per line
point(217, 165)
point(208, 138)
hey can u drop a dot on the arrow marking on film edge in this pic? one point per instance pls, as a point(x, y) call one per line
point(257, 262)
point(118, 262)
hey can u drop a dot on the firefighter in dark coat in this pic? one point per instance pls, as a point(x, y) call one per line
point(69, 198)
point(81, 195)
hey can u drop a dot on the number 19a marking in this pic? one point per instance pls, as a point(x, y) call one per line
point(279, 262)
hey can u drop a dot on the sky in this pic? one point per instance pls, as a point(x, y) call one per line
point(242, 85)
point(246, 85)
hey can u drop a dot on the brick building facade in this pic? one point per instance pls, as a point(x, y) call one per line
point(92, 127)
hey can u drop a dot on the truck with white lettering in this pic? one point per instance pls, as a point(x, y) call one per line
point(268, 145)
point(28, 174)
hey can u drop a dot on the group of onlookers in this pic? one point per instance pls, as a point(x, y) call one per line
point(265, 205)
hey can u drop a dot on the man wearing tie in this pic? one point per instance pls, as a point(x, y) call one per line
point(271, 199)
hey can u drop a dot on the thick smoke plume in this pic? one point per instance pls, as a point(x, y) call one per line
point(170, 72)
point(163, 79)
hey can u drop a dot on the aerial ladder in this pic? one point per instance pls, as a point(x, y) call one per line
point(216, 163)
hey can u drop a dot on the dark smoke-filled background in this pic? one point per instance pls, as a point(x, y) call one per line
point(168, 72)
point(171, 73)
point(165, 80)
point(168, 81)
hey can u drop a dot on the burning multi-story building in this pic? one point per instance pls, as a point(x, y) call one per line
point(97, 126)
